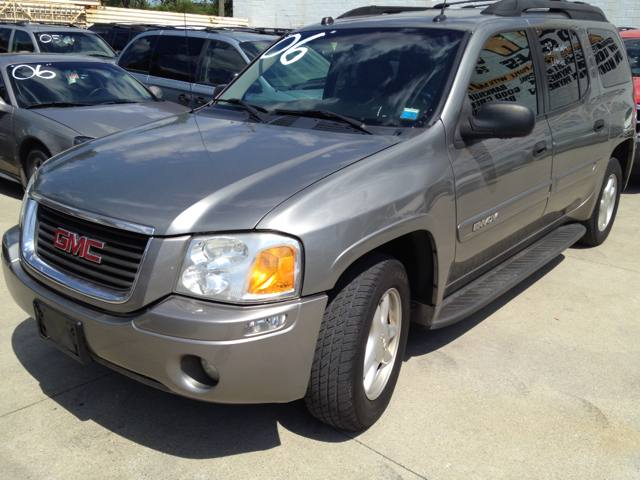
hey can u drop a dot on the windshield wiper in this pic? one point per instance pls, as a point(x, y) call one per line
point(115, 102)
point(357, 123)
point(59, 104)
point(252, 109)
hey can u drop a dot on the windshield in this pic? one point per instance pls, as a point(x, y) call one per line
point(633, 50)
point(73, 42)
point(390, 78)
point(253, 49)
point(89, 83)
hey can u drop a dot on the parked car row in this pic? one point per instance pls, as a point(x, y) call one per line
point(392, 165)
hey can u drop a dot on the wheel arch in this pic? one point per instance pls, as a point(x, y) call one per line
point(26, 146)
point(623, 152)
point(416, 251)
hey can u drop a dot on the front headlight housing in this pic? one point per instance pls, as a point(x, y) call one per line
point(241, 268)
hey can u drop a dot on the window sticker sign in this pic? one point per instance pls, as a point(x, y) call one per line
point(25, 72)
point(294, 48)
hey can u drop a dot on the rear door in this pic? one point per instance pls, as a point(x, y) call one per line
point(578, 119)
point(174, 66)
point(502, 185)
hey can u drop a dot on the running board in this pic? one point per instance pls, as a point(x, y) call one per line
point(491, 285)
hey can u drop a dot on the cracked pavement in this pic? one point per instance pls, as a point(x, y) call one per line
point(542, 383)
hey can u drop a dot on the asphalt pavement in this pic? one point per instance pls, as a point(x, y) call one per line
point(542, 383)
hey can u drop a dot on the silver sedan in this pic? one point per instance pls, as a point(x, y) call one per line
point(50, 103)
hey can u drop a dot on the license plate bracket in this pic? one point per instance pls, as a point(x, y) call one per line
point(62, 331)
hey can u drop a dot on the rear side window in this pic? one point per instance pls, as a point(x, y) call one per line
point(120, 40)
point(5, 33)
point(583, 77)
point(610, 57)
point(137, 58)
point(504, 72)
point(220, 61)
point(22, 42)
point(561, 66)
point(176, 57)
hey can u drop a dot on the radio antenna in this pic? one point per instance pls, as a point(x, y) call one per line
point(441, 17)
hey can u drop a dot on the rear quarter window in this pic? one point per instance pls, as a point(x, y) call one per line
point(610, 57)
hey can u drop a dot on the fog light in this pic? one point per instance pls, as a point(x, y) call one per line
point(210, 370)
point(265, 325)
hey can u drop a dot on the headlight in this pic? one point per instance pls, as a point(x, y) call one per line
point(242, 268)
point(79, 140)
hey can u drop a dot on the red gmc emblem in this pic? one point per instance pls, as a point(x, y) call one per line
point(74, 244)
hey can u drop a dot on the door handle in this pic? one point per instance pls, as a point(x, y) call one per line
point(539, 148)
point(598, 126)
point(184, 98)
point(201, 100)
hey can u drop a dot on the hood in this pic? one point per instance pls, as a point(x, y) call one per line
point(100, 120)
point(191, 174)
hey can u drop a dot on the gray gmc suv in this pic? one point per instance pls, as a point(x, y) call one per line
point(382, 168)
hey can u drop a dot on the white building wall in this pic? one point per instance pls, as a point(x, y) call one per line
point(297, 13)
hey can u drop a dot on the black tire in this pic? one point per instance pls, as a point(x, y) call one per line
point(34, 161)
point(336, 392)
point(597, 230)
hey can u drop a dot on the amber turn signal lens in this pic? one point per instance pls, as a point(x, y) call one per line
point(274, 271)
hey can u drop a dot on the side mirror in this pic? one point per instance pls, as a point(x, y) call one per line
point(218, 90)
point(499, 120)
point(157, 91)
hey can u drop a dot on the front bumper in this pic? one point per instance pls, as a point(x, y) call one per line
point(151, 344)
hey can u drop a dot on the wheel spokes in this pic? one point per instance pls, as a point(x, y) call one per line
point(382, 344)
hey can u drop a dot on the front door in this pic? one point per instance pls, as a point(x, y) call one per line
point(502, 185)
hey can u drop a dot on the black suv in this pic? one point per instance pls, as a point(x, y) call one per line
point(118, 35)
point(188, 63)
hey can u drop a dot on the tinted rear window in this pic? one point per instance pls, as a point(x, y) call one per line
point(633, 50)
point(176, 57)
point(610, 57)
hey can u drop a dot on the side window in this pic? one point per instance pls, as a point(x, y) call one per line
point(221, 61)
point(560, 62)
point(583, 78)
point(504, 72)
point(5, 34)
point(137, 58)
point(610, 57)
point(175, 58)
point(120, 40)
point(22, 42)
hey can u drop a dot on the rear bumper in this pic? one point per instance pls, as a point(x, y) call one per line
point(272, 367)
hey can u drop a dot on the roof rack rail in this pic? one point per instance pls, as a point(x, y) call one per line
point(574, 10)
point(449, 4)
point(375, 10)
point(26, 23)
